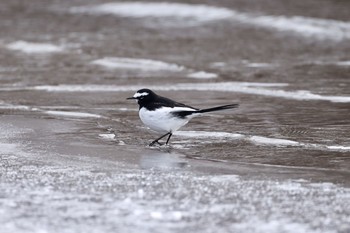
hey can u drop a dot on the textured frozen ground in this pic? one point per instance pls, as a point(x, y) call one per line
point(47, 180)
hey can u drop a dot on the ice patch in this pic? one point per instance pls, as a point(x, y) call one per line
point(205, 134)
point(246, 88)
point(149, 65)
point(85, 88)
point(272, 141)
point(72, 114)
point(325, 186)
point(124, 109)
point(202, 75)
point(107, 136)
point(285, 225)
point(15, 107)
point(305, 26)
point(36, 48)
point(166, 216)
point(186, 14)
point(238, 87)
point(182, 15)
point(343, 63)
point(217, 64)
point(136, 64)
point(257, 140)
point(256, 84)
point(258, 65)
point(291, 187)
point(6, 106)
point(174, 87)
point(340, 148)
point(111, 137)
point(335, 63)
point(224, 178)
point(8, 148)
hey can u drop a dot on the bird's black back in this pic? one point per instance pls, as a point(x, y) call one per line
point(153, 101)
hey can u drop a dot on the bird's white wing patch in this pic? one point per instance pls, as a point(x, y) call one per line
point(176, 109)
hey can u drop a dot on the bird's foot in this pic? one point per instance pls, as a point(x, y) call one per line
point(152, 143)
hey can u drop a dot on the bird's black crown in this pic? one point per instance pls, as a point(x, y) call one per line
point(144, 96)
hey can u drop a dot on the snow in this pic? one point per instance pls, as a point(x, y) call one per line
point(34, 48)
point(186, 14)
point(136, 64)
point(343, 63)
point(238, 87)
point(202, 75)
point(339, 147)
point(272, 141)
point(107, 136)
point(183, 15)
point(206, 134)
point(72, 114)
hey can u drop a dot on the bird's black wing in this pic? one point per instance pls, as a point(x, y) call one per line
point(165, 102)
point(161, 101)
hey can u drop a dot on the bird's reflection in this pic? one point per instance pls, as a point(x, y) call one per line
point(163, 159)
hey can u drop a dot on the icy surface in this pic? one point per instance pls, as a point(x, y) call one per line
point(339, 147)
point(34, 48)
point(89, 195)
point(258, 65)
point(204, 134)
point(72, 114)
point(244, 87)
point(135, 63)
point(202, 75)
point(204, 137)
point(74, 155)
point(255, 139)
point(305, 26)
point(343, 63)
point(194, 14)
point(272, 141)
point(186, 13)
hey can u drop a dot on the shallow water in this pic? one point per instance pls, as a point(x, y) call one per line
point(74, 153)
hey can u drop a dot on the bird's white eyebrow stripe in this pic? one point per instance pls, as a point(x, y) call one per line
point(140, 94)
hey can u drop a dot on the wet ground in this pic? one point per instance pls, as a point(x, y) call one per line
point(74, 154)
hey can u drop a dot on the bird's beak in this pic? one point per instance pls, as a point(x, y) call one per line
point(131, 98)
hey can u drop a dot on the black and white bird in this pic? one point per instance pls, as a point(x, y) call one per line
point(165, 115)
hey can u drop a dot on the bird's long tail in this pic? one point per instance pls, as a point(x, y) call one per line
point(219, 108)
point(184, 114)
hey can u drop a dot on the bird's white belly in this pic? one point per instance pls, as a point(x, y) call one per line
point(162, 120)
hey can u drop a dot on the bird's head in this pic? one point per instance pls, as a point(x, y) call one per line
point(143, 95)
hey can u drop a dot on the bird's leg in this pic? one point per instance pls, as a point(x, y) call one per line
point(170, 134)
point(156, 141)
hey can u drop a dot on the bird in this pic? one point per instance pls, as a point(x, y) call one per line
point(165, 115)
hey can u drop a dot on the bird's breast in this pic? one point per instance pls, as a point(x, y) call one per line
point(161, 119)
